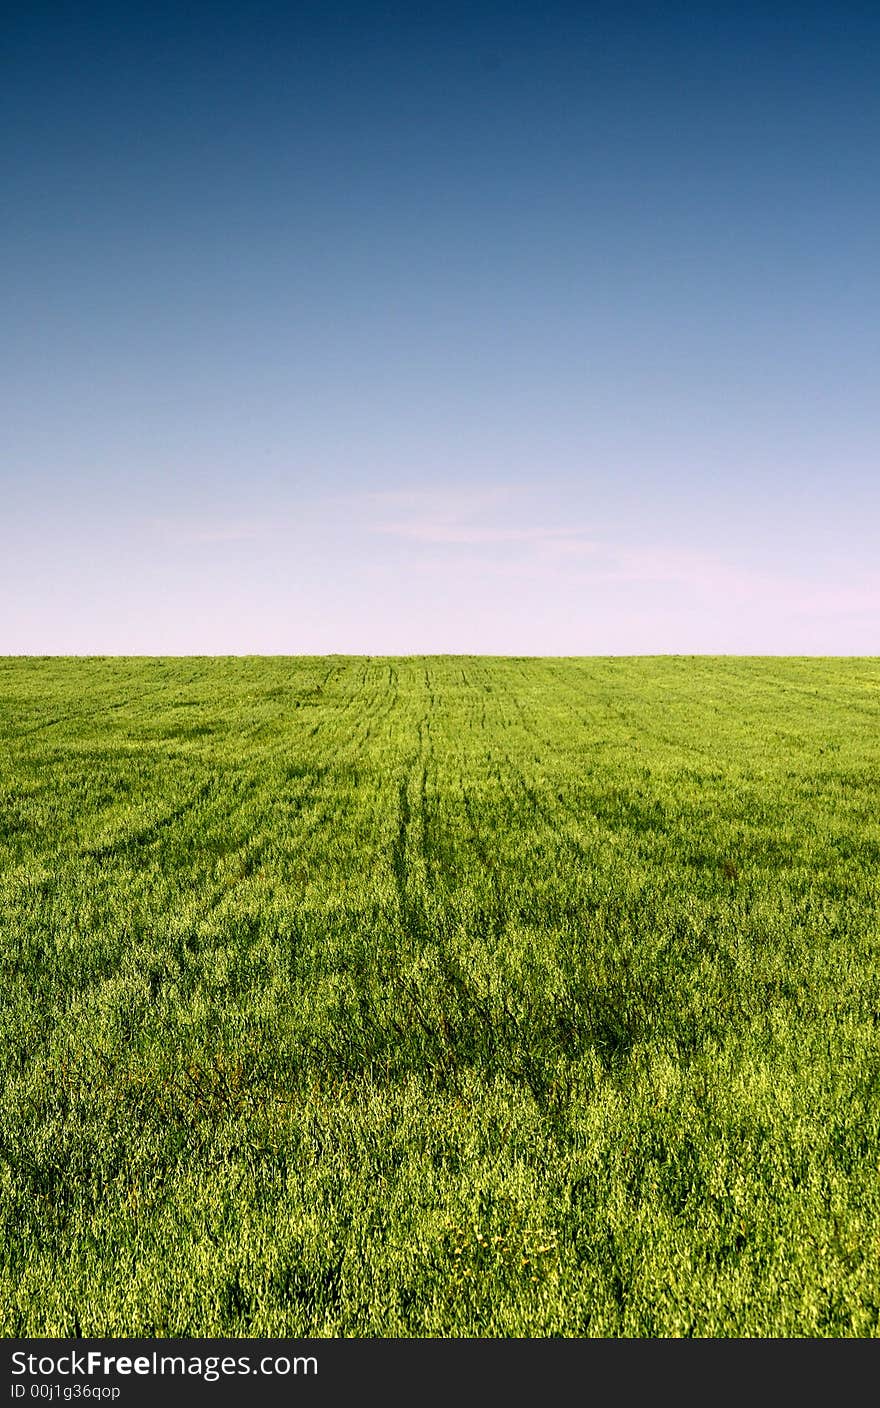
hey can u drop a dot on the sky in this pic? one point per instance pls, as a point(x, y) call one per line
point(533, 329)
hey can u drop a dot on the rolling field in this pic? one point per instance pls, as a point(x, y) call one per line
point(442, 996)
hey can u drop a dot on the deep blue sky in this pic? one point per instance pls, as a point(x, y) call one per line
point(517, 328)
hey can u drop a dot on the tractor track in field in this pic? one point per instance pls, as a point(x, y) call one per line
point(476, 835)
point(412, 860)
point(143, 836)
point(88, 713)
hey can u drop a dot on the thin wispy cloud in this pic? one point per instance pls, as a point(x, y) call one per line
point(193, 532)
point(584, 564)
point(478, 517)
point(475, 534)
point(719, 578)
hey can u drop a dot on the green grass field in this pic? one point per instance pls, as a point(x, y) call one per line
point(440, 996)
